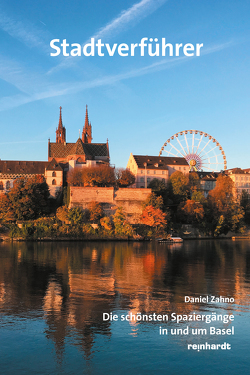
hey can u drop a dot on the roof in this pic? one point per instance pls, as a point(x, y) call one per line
point(237, 171)
point(158, 162)
point(14, 167)
point(54, 166)
point(62, 150)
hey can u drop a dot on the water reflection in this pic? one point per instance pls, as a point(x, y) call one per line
point(70, 285)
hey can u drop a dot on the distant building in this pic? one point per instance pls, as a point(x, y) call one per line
point(10, 170)
point(241, 179)
point(146, 168)
point(208, 181)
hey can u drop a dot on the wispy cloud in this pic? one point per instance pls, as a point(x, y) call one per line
point(55, 90)
point(127, 17)
point(122, 22)
point(26, 32)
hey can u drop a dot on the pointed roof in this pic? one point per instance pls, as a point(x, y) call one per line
point(60, 124)
point(78, 148)
point(86, 124)
point(54, 166)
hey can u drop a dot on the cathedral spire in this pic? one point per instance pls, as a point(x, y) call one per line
point(60, 131)
point(86, 117)
point(87, 129)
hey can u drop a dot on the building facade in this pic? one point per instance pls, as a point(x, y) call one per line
point(241, 179)
point(146, 168)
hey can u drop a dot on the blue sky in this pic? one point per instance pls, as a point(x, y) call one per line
point(136, 102)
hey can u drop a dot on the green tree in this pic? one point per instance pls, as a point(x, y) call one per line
point(154, 201)
point(157, 186)
point(179, 187)
point(122, 227)
point(76, 216)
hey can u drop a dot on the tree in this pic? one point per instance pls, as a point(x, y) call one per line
point(29, 198)
point(124, 177)
point(178, 183)
point(62, 213)
point(122, 227)
point(157, 186)
point(191, 212)
point(194, 182)
point(75, 177)
point(245, 204)
point(106, 223)
point(198, 196)
point(154, 200)
point(153, 217)
point(76, 216)
point(6, 213)
point(223, 213)
point(95, 211)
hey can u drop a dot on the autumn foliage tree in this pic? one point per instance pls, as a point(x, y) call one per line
point(124, 177)
point(102, 176)
point(191, 212)
point(154, 217)
point(95, 211)
point(28, 199)
point(223, 212)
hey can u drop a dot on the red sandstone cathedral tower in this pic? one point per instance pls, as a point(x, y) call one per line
point(82, 150)
point(87, 129)
point(60, 131)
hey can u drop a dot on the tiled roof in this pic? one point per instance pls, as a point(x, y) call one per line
point(208, 176)
point(54, 166)
point(13, 167)
point(237, 171)
point(158, 162)
point(62, 150)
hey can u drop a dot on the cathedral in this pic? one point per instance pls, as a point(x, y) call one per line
point(62, 157)
point(82, 151)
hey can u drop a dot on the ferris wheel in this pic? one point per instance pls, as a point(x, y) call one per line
point(201, 150)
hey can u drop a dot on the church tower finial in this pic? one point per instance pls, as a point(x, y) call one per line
point(87, 129)
point(60, 131)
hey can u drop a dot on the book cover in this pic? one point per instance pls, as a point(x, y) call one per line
point(159, 87)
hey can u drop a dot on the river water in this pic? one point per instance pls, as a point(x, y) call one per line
point(62, 305)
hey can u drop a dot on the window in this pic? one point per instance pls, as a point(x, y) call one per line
point(54, 182)
point(141, 171)
point(163, 172)
point(148, 172)
point(148, 179)
point(179, 168)
point(141, 179)
point(54, 174)
point(154, 172)
point(7, 185)
point(1, 185)
point(163, 180)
